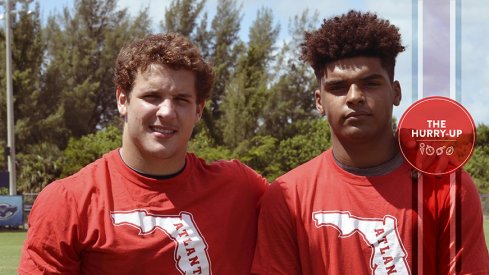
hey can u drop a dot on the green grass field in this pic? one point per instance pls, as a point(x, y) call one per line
point(486, 232)
point(11, 244)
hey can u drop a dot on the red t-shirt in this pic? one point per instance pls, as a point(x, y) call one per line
point(108, 219)
point(320, 219)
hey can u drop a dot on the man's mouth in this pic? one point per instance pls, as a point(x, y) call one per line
point(162, 130)
point(357, 114)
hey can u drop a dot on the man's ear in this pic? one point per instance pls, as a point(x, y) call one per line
point(319, 105)
point(200, 110)
point(396, 87)
point(122, 100)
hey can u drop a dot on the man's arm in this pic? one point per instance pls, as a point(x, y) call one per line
point(51, 247)
point(473, 256)
point(276, 249)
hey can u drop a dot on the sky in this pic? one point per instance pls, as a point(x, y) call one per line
point(474, 38)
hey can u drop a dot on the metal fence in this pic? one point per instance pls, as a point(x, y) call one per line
point(29, 199)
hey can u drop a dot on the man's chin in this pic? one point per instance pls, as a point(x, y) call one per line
point(165, 153)
point(164, 150)
point(162, 154)
point(355, 134)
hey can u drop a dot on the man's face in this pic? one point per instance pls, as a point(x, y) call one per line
point(357, 97)
point(160, 114)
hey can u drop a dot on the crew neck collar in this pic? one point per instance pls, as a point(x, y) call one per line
point(378, 170)
point(148, 181)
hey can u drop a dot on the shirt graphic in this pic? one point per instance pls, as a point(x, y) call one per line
point(191, 256)
point(388, 253)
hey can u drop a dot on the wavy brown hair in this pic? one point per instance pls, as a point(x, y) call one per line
point(172, 50)
point(350, 35)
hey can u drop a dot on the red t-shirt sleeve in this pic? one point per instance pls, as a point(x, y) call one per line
point(473, 255)
point(257, 183)
point(51, 246)
point(276, 250)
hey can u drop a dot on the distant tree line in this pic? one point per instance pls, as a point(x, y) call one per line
point(261, 110)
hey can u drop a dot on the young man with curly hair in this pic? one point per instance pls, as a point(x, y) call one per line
point(150, 207)
point(350, 210)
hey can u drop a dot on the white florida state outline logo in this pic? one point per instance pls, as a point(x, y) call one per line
point(191, 256)
point(388, 253)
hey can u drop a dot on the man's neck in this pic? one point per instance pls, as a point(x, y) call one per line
point(364, 154)
point(156, 167)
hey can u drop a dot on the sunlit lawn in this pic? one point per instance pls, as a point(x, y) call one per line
point(486, 231)
point(10, 245)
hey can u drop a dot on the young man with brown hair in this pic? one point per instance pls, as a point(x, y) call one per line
point(350, 210)
point(150, 207)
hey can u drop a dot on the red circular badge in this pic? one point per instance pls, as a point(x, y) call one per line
point(436, 135)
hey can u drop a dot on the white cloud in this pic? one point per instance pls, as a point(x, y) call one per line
point(475, 60)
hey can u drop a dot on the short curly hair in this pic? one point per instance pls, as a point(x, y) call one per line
point(172, 50)
point(351, 35)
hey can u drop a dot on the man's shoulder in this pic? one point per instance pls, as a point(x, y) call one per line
point(84, 177)
point(219, 166)
point(307, 170)
point(442, 183)
point(230, 171)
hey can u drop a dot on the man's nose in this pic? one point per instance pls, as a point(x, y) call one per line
point(166, 108)
point(355, 95)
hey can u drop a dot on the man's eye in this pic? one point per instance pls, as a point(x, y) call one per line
point(150, 96)
point(373, 84)
point(336, 89)
point(182, 99)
